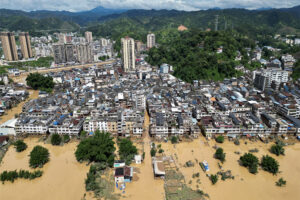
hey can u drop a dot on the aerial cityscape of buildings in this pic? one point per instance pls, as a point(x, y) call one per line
point(99, 88)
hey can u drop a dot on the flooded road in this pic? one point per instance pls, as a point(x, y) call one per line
point(63, 176)
point(146, 187)
point(10, 114)
point(245, 186)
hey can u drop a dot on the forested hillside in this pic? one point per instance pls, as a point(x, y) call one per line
point(193, 54)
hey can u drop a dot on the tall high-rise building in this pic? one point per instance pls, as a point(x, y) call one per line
point(25, 45)
point(62, 38)
point(150, 40)
point(9, 46)
point(128, 54)
point(84, 53)
point(59, 53)
point(88, 36)
point(69, 49)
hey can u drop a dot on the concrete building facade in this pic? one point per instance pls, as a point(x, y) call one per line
point(9, 46)
point(128, 54)
point(150, 40)
point(25, 45)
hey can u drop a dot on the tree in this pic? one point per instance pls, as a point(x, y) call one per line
point(38, 156)
point(56, 139)
point(127, 150)
point(98, 148)
point(250, 161)
point(281, 182)
point(174, 139)
point(277, 149)
point(220, 154)
point(153, 152)
point(220, 139)
point(83, 134)
point(20, 145)
point(160, 151)
point(214, 178)
point(269, 164)
point(40, 82)
point(66, 138)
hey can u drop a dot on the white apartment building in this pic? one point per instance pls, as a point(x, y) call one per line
point(88, 36)
point(150, 40)
point(128, 56)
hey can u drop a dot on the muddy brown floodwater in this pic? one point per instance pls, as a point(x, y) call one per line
point(10, 114)
point(146, 187)
point(63, 176)
point(245, 186)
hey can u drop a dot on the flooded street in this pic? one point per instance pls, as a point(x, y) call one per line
point(10, 114)
point(146, 187)
point(63, 176)
point(245, 186)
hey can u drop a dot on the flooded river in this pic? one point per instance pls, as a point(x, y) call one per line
point(63, 176)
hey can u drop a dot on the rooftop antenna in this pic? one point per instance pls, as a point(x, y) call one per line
point(216, 23)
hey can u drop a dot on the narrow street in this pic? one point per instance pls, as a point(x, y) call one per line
point(146, 187)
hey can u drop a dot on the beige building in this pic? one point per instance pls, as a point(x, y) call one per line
point(9, 46)
point(88, 36)
point(84, 53)
point(128, 54)
point(150, 40)
point(25, 45)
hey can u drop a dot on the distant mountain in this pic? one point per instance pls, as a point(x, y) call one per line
point(114, 23)
point(81, 18)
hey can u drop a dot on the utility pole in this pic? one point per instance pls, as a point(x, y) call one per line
point(216, 23)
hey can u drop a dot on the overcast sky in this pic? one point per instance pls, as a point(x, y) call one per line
point(81, 5)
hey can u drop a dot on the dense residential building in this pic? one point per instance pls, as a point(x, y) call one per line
point(9, 46)
point(128, 54)
point(264, 78)
point(150, 40)
point(25, 45)
point(88, 36)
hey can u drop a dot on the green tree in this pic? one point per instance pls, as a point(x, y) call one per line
point(20, 145)
point(127, 150)
point(220, 139)
point(66, 138)
point(281, 182)
point(174, 139)
point(98, 148)
point(40, 82)
point(269, 164)
point(214, 178)
point(250, 161)
point(220, 154)
point(277, 149)
point(55, 139)
point(153, 152)
point(38, 156)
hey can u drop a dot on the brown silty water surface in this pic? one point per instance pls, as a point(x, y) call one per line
point(63, 176)
point(10, 114)
point(245, 186)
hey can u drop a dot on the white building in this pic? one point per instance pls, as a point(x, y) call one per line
point(128, 56)
point(88, 36)
point(150, 40)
